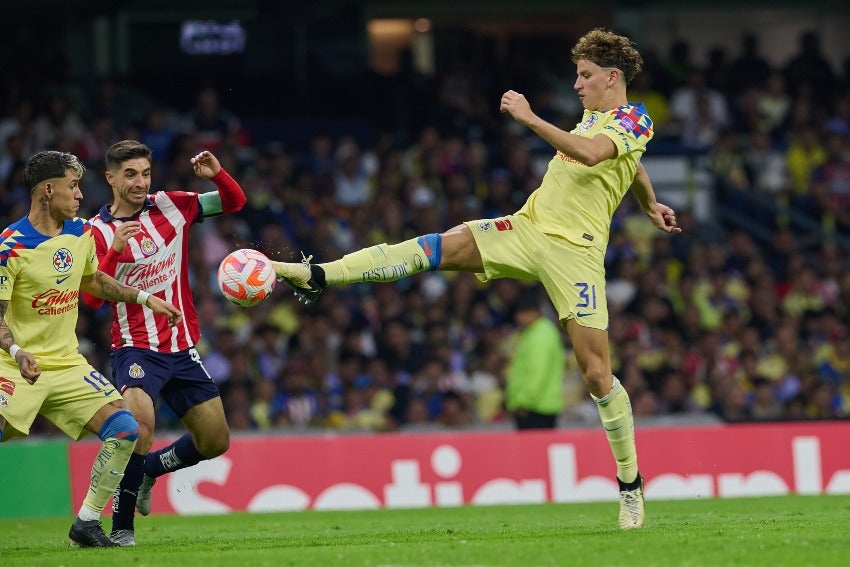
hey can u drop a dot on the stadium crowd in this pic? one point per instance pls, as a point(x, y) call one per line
point(713, 321)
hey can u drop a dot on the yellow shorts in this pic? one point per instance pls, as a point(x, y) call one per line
point(573, 275)
point(68, 397)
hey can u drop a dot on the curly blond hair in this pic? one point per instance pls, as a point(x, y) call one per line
point(607, 49)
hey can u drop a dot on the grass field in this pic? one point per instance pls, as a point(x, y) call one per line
point(792, 530)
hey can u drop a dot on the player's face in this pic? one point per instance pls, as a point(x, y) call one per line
point(130, 182)
point(593, 83)
point(65, 195)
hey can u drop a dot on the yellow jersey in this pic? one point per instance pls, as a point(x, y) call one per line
point(576, 201)
point(40, 277)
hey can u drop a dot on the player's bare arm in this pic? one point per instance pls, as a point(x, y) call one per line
point(106, 287)
point(661, 215)
point(206, 165)
point(588, 151)
point(26, 361)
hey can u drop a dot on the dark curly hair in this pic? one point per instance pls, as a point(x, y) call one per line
point(607, 49)
point(50, 164)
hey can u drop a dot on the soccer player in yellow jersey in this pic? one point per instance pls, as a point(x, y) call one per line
point(46, 258)
point(558, 237)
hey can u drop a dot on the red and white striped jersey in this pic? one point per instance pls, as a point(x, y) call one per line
point(155, 261)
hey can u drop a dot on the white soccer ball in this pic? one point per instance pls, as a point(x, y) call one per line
point(246, 277)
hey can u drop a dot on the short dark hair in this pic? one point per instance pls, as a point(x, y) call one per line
point(119, 152)
point(50, 165)
point(607, 49)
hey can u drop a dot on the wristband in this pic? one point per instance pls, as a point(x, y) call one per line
point(13, 350)
point(142, 298)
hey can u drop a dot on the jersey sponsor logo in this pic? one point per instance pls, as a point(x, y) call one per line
point(7, 386)
point(564, 157)
point(588, 237)
point(148, 246)
point(503, 224)
point(56, 301)
point(109, 392)
point(149, 275)
point(60, 280)
point(484, 226)
point(63, 260)
point(583, 314)
point(136, 371)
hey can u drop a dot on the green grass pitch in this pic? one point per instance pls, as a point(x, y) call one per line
point(776, 531)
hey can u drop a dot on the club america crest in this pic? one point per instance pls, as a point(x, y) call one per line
point(484, 226)
point(63, 260)
point(588, 123)
point(136, 371)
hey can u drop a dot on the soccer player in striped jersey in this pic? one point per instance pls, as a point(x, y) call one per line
point(46, 258)
point(558, 237)
point(142, 240)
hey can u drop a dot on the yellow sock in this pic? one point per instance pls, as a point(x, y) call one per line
point(615, 409)
point(107, 472)
point(381, 263)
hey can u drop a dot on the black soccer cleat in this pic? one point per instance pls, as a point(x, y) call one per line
point(306, 280)
point(88, 534)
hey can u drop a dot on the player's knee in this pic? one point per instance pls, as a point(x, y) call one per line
point(211, 446)
point(597, 378)
point(120, 425)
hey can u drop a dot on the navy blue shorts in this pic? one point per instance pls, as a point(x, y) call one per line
point(179, 377)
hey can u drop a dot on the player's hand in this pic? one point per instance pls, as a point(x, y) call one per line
point(206, 165)
point(28, 366)
point(664, 218)
point(166, 309)
point(124, 233)
point(517, 106)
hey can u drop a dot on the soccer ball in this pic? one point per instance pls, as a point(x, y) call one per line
point(246, 277)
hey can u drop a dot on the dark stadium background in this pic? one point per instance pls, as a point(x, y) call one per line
point(743, 317)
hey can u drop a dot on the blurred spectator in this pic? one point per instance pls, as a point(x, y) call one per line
point(535, 376)
point(699, 111)
point(210, 124)
point(809, 66)
point(750, 69)
point(58, 124)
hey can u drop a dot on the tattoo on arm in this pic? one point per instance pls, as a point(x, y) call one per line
point(108, 288)
point(6, 337)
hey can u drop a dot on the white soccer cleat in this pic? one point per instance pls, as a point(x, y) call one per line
point(143, 501)
point(632, 512)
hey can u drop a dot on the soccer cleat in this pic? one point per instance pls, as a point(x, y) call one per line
point(631, 504)
point(143, 500)
point(305, 279)
point(123, 538)
point(88, 534)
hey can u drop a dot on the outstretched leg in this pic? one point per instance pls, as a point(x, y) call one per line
point(615, 410)
point(453, 250)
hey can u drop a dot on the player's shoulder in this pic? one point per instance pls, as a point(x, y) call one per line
point(77, 226)
point(631, 118)
point(631, 115)
point(13, 238)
